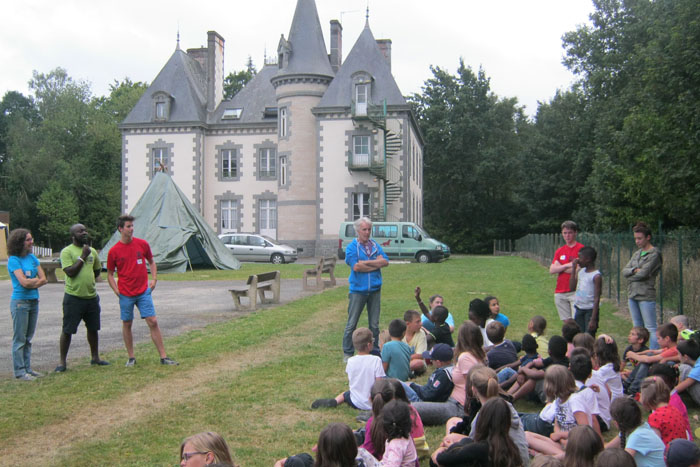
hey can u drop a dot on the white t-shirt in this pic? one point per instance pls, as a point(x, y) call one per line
point(585, 401)
point(602, 397)
point(363, 371)
point(611, 378)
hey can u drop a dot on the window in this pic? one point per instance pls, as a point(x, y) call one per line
point(160, 111)
point(229, 215)
point(283, 170)
point(283, 122)
point(159, 157)
point(408, 231)
point(229, 163)
point(360, 150)
point(361, 99)
point(267, 167)
point(268, 214)
point(360, 205)
point(232, 114)
point(385, 231)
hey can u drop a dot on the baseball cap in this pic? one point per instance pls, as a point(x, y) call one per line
point(442, 352)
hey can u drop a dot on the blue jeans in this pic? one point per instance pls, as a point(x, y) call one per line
point(410, 393)
point(582, 318)
point(356, 302)
point(644, 314)
point(504, 374)
point(24, 317)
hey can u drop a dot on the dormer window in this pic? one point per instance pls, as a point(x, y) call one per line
point(362, 92)
point(361, 99)
point(232, 114)
point(161, 106)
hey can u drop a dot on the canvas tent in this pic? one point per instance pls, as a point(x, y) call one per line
point(3, 240)
point(177, 233)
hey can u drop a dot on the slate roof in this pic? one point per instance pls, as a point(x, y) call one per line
point(309, 54)
point(364, 56)
point(257, 94)
point(183, 78)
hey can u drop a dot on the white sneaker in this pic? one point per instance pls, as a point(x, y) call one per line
point(26, 377)
point(35, 374)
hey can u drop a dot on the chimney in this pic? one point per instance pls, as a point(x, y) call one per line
point(199, 55)
point(336, 56)
point(214, 70)
point(385, 48)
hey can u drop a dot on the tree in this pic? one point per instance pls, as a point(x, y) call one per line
point(471, 159)
point(236, 80)
point(58, 210)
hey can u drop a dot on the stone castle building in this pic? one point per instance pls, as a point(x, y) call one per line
point(311, 141)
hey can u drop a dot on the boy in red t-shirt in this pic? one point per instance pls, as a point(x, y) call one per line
point(666, 335)
point(561, 265)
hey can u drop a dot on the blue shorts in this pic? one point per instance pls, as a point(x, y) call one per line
point(346, 397)
point(144, 302)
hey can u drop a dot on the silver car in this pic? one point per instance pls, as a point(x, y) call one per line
point(254, 247)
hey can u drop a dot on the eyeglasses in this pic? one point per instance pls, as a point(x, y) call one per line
point(186, 456)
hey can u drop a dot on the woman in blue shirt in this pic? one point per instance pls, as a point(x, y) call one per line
point(27, 276)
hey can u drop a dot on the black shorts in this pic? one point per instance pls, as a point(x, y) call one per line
point(80, 309)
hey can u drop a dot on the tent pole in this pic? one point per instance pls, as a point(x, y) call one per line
point(184, 250)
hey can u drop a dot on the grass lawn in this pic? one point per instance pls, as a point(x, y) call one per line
point(251, 379)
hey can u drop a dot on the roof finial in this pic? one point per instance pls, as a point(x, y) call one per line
point(177, 47)
point(367, 14)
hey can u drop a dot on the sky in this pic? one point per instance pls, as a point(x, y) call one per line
point(516, 42)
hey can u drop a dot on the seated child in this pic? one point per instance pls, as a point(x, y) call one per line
point(439, 385)
point(666, 336)
point(569, 329)
point(585, 340)
point(670, 376)
point(536, 328)
point(681, 322)
point(588, 282)
point(435, 300)
point(509, 373)
point(363, 370)
point(441, 332)
point(682, 453)
point(689, 350)
point(581, 367)
point(607, 359)
point(416, 340)
point(636, 437)
point(478, 314)
point(667, 420)
point(503, 351)
point(396, 354)
point(637, 339)
point(531, 376)
point(495, 309)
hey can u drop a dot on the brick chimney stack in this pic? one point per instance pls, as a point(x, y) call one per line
point(336, 56)
point(215, 70)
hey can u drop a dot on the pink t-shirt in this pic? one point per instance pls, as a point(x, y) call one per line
point(400, 452)
point(459, 376)
point(417, 431)
point(677, 402)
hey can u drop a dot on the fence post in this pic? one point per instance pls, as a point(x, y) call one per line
point(680, 273)
point(619, 242)
point(661, 277)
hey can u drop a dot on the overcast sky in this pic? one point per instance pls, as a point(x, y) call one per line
point(516, 42)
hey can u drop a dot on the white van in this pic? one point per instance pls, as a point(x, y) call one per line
point(399, 240)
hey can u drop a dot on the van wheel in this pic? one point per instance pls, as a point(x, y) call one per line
point(277, 259)
point(423, 257)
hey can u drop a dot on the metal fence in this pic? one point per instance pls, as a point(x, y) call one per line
point(678, 286)
point(42, 252)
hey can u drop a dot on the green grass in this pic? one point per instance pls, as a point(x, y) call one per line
point(252, 379)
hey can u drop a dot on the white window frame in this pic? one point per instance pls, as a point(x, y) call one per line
point(267, 209)
point(360, 205)
point(361, 142)
point(159, 155)
point(283, 170)
point(283, 122)
point(229, 156)
point(267, 163)
point(229, 213)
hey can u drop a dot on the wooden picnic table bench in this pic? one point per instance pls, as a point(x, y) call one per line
point(49, 268)
point(325, 265)
point(257, 284)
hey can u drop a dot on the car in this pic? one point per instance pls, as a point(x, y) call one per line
point(399, 240)
point(254, 247)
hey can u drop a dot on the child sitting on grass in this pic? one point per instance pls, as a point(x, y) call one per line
point(666, 337)
point(396, 354)
point(581, 367)
point(416, 340)
point(441, 332)
point(690, 368)
point(536, 328)
point(363, 370)
point(531, 376)
point(435, 300)
point(607, 359)
point(569, 329)
point(636, 436)
point(585, 340)
point(509, 374)
point(502, 353)
point(478, 314)
point(439, 385)
point(588, 282)
point(495, 309)
point(667, 420)
point(670, 376)
point(637, 340)
point(681, 323)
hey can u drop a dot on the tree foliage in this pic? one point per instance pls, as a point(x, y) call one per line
point(236, 80)
point(62, 155)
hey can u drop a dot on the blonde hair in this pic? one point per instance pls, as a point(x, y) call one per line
point(484, 380)
point(654, 391)
point(559, 382)
point(545, 461)
point(209, 441)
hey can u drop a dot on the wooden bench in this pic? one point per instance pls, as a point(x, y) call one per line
point(49, 268)
point(325, 265)
point(257, 284)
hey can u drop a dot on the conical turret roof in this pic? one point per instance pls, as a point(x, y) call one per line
point(308, 49)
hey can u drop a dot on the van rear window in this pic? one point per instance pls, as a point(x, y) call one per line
point(385, 231)
point(350, 231)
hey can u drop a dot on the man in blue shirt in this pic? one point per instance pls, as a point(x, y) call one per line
point(365, 258)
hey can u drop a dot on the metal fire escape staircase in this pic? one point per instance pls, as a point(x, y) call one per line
point(381, 167)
